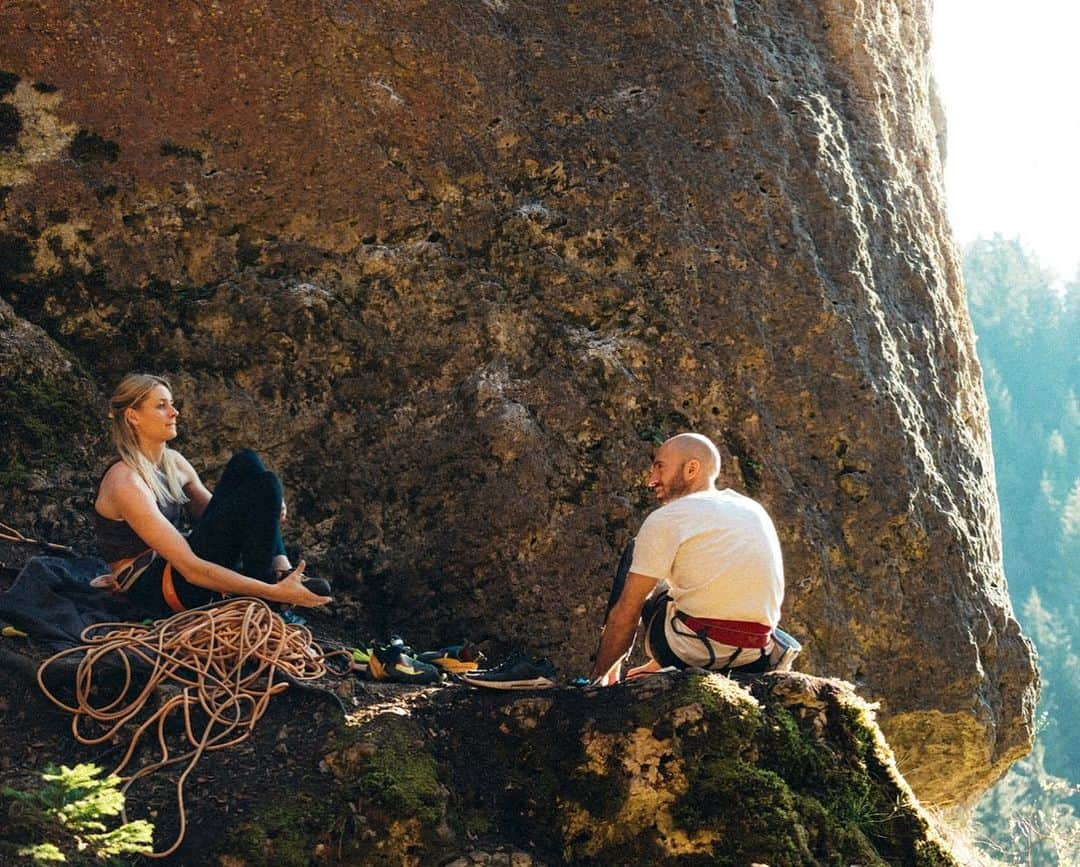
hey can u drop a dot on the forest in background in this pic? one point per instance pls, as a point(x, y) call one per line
point(1028, 341)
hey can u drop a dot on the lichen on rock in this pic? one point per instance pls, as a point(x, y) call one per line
point(31, 131)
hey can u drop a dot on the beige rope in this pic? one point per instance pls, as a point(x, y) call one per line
point(227, 660)
point(10, 534)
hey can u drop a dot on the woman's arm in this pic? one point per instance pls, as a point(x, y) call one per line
point(136, 505)
point(198, 494)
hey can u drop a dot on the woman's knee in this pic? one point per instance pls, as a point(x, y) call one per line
point(242, 467)
point(245, 463)
point(265, 488)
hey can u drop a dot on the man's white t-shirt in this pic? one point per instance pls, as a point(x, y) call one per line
point(718, 552)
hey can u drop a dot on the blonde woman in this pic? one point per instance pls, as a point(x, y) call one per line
point(235, 547)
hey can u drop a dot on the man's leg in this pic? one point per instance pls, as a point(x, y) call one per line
point(649, 667)
point(656, 642)
point(620, 577)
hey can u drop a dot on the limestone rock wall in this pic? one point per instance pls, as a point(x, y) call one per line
point(453, 267)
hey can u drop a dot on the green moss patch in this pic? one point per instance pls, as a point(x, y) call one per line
point(841, 779)
point(43, 415)
point(279, 835)
point(730, 719)
point(603, 795)
point(752, 809)
point(399, 775)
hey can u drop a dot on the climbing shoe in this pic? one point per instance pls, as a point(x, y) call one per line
point(518, 672)
point(398, 642)
point(318, 586)
point(455, 659)
point(388, 663)
point(361, 658)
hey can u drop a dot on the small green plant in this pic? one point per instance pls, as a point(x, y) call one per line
point(65, 817)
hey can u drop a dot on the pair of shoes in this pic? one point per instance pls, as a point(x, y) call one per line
point(518, 672)
point(399, 642)
point(391, 663)
point(455, 659)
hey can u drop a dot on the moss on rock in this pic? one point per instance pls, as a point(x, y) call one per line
point(751, 810)
point(387, 762)
point(278, 835)
point(402, 776)
point(40, 411)
point(689, 768)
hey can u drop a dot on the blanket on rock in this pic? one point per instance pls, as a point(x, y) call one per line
point(52, 601)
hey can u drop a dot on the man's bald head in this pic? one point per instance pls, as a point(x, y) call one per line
point(684, 464)
point(696, 447)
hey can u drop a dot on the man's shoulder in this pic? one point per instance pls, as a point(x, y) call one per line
point(708, 504)
point(686, 506)
point(703, 500)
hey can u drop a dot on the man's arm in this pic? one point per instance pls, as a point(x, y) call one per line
point(622, 623)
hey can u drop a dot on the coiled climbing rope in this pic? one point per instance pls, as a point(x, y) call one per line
point(214, 668)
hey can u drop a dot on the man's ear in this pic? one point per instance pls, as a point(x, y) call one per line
point(692, 468)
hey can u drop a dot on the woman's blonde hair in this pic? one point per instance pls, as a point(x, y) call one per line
point(165, 481)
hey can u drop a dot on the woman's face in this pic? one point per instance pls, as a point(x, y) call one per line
point(154, 419)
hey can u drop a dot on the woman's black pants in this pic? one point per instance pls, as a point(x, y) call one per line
point(240, 529)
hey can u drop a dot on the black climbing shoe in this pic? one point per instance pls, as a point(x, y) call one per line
point(518, 672)
point(318, 586)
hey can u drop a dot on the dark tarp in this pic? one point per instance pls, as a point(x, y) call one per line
point(52, 601)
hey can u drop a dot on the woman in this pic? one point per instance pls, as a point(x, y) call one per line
point(236, 545)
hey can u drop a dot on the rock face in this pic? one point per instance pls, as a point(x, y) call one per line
point(679, 769)
point(454, 267)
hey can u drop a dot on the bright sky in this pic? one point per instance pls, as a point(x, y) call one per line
point(1009, 76)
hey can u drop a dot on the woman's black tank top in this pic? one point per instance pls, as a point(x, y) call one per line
point(117, 541)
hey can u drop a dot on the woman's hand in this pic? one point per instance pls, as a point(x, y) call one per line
point(291, 590)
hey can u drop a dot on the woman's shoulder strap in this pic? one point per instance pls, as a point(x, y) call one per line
point(112, 463)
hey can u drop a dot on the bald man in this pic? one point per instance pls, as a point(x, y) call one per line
point(705, 570)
